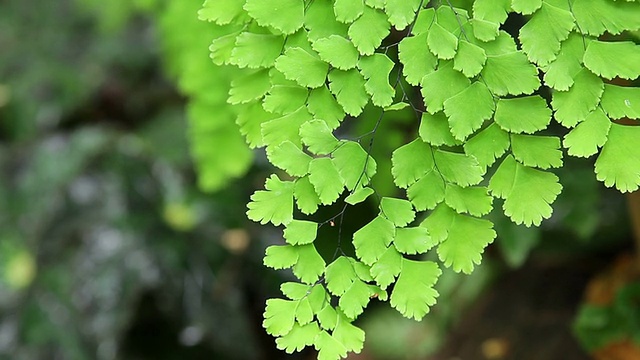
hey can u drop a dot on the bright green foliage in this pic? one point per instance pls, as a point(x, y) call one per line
point(302, 70)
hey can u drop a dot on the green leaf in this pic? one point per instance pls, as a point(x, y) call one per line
point(376, 4)
point(469, 59)
point(458, 168)
point(329, 348)
point(355, 299)
point(369, 30)
point(526, 114)
point(510, 74)
point(337, 51)
point(284, 15)
point(324, 106)
point(321, 22)
point(401, 12)
point(304, 313)
point(440, 85)
point(318, 137)
point(221, 49)
point(535, 150)
point(475, 201)
point(410, 162)
point(347, 334)
point(250, 120)
point(503, 44)
point(595, 17)
point(439, 222)
point(256, 50)
point(619, 161)
point(249, 87)
point(613, 59)
point(528, 192)
point(488, 145)
point(442, 43)
point(221, 12)
point(491, 10)
point(398, 211)
point(413, 293)
point(302, 67)
point(416, 59)
point(300, 232)
point(325, 179)
point(372, 240)
point(328, 317)
point(280, 256)
point(542, 34)
point(526, 7)
point(347, 11)
point(591, 134)
point(310, 265)
point(275, 204)
point(397, 106)
point(283, 99)
point(340, 275)
point(434, 129)
point(468, 110)
point(306, 197)
point(427, 192)
point(413, 241)
point(559, 74)
point(298, 338)
point(467, 238)
point(359, 195)
point(376, 70)
point(574, 105)
point(290, 158)
point(485, 30)
point(385, 270)
point(279, 316)
point(285, 128)
point(362, 270)
point(348, 88)
point(621, 101)
point(355, 166)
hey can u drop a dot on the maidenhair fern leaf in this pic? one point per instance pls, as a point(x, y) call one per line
point(372, 240)
point(222, 12)
point(387, 268)
point(510, 74)
point(320, 21)
point(310, 265)
point(542, 34)
point(298, 338)
point(619, 161)
point(440, 85)
point(359, 195)
point(410, 162)
point(347, 11)
point(469, 59)
point(428, 191)
point(285, 128)
point(354, 164)
point(339, 276)
point(221, 49)
point(442, 43)
point(468, 109)
point(488, 145)
point(302, 67)
point(376, 70)
point(475, 201)
point(279, 316)
point(613, 59)
point(560, 73)
point(250, 119)
point(591, 134)
point(284, 15)
point(280, 256)
point(275, 204)
point(300, 232)
point(285, 99)
point(413, 240)
point(325, 178)
point(538, 151)
point(526, 7)
point(351, 337)
point(595, 17)
point(528, 192)
point(398, 211)
point(401, 12)
point(413, 293)
point(434, 129)
point(458, 168)
point(337, 51)
point(621, 101)
point(290, 158)
point(256, 50)
point(417, 61)
point(323, 106)
point(368, 30)
point(317, 136)
point(523, 114)
point(348, 88)
point(574, 105)
point(306, 197)
point(491, 10)
point(249, 87)
point(355, 299)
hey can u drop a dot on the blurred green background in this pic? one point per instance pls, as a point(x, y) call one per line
point(111, 247)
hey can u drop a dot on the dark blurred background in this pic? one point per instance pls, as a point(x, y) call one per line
point(111, 247)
